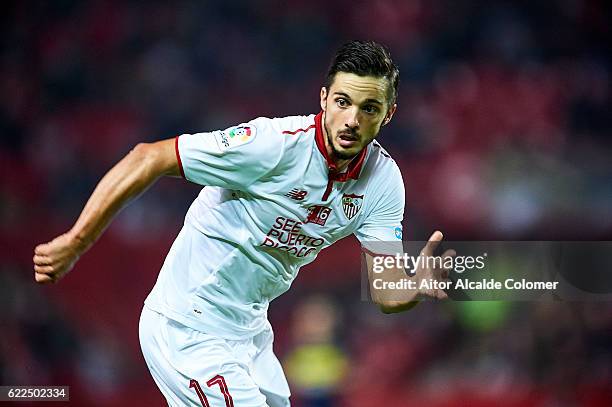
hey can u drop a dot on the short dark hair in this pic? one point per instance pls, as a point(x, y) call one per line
point(365, 58)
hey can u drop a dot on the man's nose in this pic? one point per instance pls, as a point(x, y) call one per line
point(353, 119)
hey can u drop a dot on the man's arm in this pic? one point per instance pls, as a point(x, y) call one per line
point(398, 300)
point(126, 180)
point(389, 303)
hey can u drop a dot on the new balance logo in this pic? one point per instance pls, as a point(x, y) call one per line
point(297, 194)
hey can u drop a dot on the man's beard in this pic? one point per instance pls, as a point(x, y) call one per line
point(338, 154)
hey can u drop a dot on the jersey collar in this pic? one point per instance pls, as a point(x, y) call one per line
point(354, 167)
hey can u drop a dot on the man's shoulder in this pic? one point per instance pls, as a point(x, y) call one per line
point(380, 163)
point(264, 136)
point(287, 126)
point(384, 179)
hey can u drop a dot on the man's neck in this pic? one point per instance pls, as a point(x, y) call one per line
point(341, 164)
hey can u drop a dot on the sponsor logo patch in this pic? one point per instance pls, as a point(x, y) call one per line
point(222, 138)
point(351, 204)
point(297, 194)
point(235, 136)
point(286, 235)
point(398, 232)
point(318, 214)
point(241, 133)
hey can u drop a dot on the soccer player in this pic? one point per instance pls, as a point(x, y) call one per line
point(277, 192)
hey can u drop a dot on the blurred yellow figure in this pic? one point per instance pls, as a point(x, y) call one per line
point(316, 366)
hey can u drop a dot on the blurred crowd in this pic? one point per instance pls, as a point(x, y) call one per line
point(502, 132)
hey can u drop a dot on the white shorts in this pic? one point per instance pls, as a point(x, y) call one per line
point(193, 368)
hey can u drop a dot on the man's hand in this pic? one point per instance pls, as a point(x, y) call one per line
point(124, 182)
point(423, 279)
point(434, 273)
point(54, 259)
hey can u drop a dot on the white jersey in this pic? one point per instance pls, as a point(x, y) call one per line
point(271, 203)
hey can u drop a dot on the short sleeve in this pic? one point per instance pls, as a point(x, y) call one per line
point(381, 230)
point(232, 158)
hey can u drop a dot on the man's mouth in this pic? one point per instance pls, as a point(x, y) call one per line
point(347, 140)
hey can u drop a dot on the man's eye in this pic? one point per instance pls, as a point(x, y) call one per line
point(371, 109)
point(342, 102)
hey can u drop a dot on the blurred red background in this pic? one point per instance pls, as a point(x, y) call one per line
point(502, 132)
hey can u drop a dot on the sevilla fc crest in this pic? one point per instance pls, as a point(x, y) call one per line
point(351, 204)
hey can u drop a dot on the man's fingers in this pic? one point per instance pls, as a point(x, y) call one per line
point(433, 242)
point(449, 253)
point(447, 266)
point(43, 269)
point(41, 260)
point(52, 260)
point(436, 294)
point(42, 249)
point(441, 295)
point(43, 278)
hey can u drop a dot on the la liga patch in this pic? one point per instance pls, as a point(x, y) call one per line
point(235, 136)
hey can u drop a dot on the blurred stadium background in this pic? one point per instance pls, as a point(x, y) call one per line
point(502, 132)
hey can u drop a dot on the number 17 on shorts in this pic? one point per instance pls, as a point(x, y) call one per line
point(217, 380)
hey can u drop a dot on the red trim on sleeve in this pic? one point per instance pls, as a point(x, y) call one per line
point(312, 126)
point(178, 156)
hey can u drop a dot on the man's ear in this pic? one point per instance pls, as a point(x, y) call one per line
point(389, 115)
point(323, 98)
